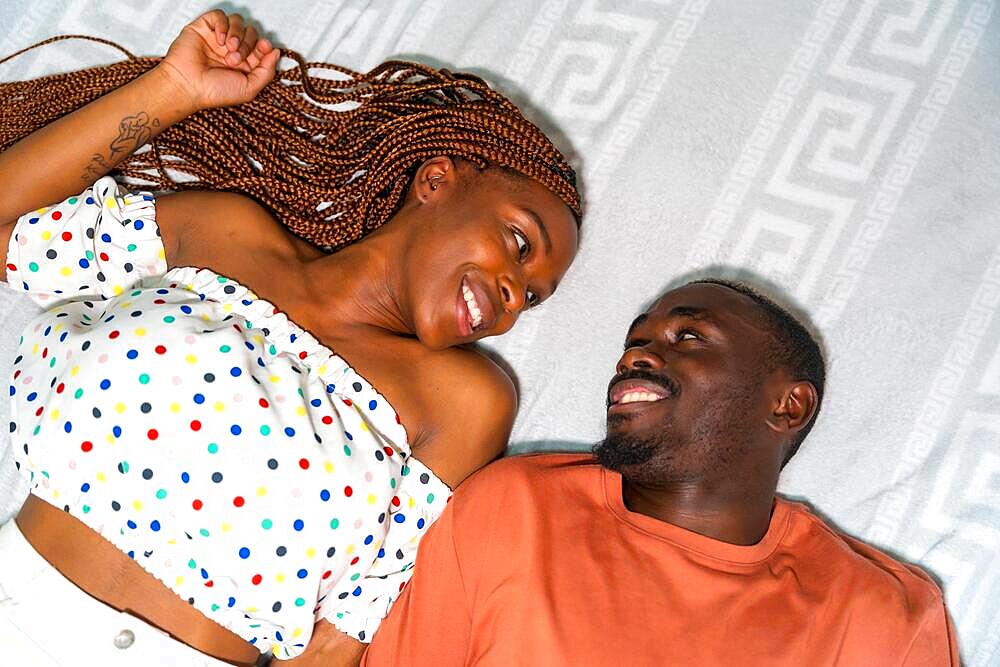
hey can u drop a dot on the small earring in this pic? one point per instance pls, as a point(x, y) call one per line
point(434, 182)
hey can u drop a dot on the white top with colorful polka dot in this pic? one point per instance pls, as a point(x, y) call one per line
point(197, 428)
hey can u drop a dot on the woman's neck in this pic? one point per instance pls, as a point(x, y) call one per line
point(353, 288)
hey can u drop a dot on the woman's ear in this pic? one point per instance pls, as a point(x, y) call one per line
point(435, 178)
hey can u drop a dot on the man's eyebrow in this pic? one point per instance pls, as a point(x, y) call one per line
point(636, 322)
point(690, 311)
point(546, 241)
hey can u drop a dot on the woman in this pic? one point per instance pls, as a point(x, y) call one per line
point(202, 457)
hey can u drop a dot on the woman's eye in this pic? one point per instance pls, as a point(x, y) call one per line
point(523, 246)
point(687, 335)
point(532, 299)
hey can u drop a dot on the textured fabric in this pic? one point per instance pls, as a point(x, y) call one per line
point(194, 426)
point(88, 629)
point(843, 150)
point(538, 561)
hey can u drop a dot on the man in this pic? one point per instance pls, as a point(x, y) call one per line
point(668, 545)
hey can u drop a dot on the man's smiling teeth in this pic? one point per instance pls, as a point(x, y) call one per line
point(637, 396)
point(470, 301)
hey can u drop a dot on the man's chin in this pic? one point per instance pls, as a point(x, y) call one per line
point(621, 453)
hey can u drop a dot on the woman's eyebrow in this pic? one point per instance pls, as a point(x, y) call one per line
point(546, 241)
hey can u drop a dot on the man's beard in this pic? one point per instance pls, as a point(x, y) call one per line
point(636, 458)
point(712, 443)
point(624, 453)
point(616, 452)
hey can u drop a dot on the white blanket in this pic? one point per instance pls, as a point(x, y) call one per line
point(845, 152)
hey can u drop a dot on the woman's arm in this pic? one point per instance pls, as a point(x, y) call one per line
point(217, 60)
point(66, 156)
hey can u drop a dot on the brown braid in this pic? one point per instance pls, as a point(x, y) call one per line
point(291, 152)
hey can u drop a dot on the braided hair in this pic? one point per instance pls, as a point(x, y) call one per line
point(330, 157)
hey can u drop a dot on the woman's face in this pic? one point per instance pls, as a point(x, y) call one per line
point(488, 246)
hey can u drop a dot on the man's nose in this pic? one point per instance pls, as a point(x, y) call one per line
point(639, 357)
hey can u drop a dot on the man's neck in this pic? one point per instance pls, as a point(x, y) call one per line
point(737, 517)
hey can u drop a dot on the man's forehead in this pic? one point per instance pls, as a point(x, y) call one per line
point(705, 296)
point(710, 301)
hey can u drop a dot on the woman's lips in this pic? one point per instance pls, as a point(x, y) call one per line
point(475, 310)
point(475, 314)
point(463, 315)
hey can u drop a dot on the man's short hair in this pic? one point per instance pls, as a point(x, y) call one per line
point(796, 350)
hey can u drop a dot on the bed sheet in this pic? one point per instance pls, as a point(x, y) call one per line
point(844, 154)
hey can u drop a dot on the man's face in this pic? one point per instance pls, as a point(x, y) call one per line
point(691, 394)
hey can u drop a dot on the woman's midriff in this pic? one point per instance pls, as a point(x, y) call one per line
point(102, 571)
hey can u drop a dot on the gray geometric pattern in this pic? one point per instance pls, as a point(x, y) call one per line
point(845, 152)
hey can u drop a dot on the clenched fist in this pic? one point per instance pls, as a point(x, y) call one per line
point(220, 60)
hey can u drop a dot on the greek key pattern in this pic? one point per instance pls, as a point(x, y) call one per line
point(944, 390)
point(958, 519)
point(706, 246)
point(845, 279)
point(626, 55)
point(613, 146)
point(142, 28)
point(801, 209)
point(357, 34)
point(811, 184)
point(953, 529)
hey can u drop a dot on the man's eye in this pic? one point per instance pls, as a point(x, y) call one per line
point(523, 245)
point(687, 335)
point(532, 299)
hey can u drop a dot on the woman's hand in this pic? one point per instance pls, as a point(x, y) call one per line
point(220, 61)
point(328, 647)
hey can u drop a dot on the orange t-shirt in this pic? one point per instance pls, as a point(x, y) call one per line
point(537, 561)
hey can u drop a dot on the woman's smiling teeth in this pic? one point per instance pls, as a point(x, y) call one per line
point(475, 313)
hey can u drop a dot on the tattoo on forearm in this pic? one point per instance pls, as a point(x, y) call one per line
point(98, 167)
point(133, 132)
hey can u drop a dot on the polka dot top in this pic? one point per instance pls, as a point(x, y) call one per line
point(206, 435)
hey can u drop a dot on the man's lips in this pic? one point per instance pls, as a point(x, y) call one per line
point(635, 391)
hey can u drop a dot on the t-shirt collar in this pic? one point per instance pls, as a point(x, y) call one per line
point(692, 541)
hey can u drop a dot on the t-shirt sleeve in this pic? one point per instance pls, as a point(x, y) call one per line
point(94, 245)
point(358, 609)
point(431, 622)
point(934, 645)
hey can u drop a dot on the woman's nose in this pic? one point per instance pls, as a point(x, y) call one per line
point(511, 294)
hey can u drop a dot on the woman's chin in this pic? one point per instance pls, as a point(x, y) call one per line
point(436, 338)
point(440, 335)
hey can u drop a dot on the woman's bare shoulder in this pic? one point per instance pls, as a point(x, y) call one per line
point(470, 403)
point(200, 227)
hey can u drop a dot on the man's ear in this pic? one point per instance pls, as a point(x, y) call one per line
point(434, 178)
point(794, 409)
